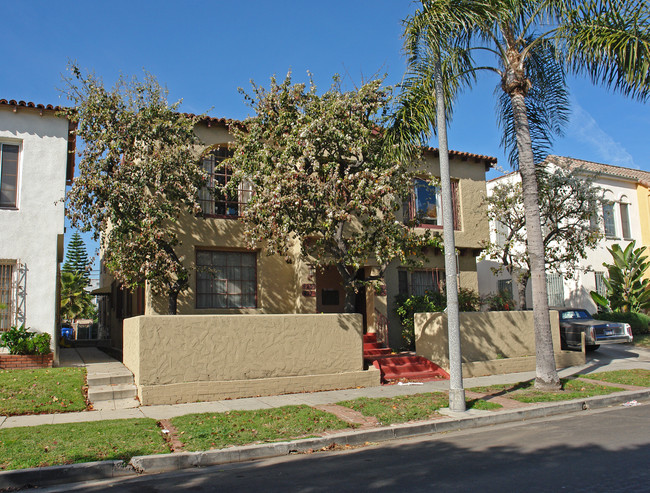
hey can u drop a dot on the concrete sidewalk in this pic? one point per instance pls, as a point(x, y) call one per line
point(96, 360)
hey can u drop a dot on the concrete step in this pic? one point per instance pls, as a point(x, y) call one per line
point(112, 378)
point(111, 392)
point(109, 405)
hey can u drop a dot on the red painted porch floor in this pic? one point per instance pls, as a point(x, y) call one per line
point(401, 366)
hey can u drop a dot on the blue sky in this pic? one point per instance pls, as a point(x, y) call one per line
point(204, 50)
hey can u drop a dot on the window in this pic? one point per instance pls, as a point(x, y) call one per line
point(555, 288)
point(505, 286)
point(425, 204)
point(601, 288)
point(215, 201)
point(226, 279)
point(608, 219)
point(421, 281)
point(625, 220)
point(6, 296)
point(8, 175)
point(330, 297)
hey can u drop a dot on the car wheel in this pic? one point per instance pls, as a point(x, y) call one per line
point(592, 347)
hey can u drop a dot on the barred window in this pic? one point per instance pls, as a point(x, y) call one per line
point(421, 281)
point(226, 279)
point(7, 291)
point(213, 199)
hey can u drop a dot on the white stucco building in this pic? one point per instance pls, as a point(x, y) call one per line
point(619, 219)
point(36, 161)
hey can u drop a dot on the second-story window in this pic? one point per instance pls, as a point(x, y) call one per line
point(425, 204)
point(214, 200)
point(8, 175)
point(608, 219)
point(625, 219)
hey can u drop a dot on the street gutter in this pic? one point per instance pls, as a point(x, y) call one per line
point(154, 464)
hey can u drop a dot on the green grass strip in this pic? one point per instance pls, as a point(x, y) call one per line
point(525, 391)
point(415, 407)
point(638, 377)
point(49, 445)
point(42, 390)
point(400, 409)
point(219, 430)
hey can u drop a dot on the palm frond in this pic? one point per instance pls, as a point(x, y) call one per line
point(547, 102)
point(609, 40)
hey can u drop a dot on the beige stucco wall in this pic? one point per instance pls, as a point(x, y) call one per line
point(191, 358)
point(279, 283)
point(643, 196)
point(491, 342)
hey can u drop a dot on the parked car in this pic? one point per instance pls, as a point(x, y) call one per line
point(575, 321)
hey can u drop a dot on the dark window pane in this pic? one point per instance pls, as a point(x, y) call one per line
point(9, 175)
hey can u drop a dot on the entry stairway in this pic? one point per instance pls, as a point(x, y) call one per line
point(401, 366)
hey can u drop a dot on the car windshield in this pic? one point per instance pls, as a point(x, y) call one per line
point(575, 315)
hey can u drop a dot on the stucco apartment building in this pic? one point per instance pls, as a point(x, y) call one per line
point(36, 162)
point(623, 216)
point(251, 282)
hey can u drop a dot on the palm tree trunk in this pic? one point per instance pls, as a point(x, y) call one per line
point(546, 373)
point(456, 390)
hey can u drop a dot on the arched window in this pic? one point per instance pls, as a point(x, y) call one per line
point(624, 208)
point(608, 215)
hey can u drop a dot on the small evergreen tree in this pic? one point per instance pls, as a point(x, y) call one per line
point(76, 257)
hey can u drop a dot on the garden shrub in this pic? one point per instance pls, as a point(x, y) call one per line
point(638, 321)
point(408, 305)
point(20, 340)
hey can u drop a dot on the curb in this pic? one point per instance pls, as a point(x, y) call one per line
point(152, 464)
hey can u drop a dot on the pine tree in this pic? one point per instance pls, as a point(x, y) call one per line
point(76, 257)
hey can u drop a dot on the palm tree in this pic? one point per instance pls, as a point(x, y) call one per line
point(530, 45)
point(75, 301)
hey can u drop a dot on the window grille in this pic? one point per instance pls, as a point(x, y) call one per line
point(8, 295)
point(601, 288)
point(226, 279)
point(505, 286)
point(212, 198)
point(555, 288)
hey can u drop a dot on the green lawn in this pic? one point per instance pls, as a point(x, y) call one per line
point(42, 390)
point(49, 445)
point(400, 409)
point(637, 377)
point(525, 392)
point(219, 430)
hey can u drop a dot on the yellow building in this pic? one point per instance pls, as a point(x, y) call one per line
point(252, 282)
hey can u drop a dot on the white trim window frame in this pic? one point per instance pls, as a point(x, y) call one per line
point(9, 174)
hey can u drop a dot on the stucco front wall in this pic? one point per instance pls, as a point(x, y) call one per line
point(279, 283)
point(30, 233)
point(491, 342)
point(191, 358)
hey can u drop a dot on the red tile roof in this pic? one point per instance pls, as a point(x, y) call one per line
point(479, 158)
point(29, 104)
point(636, 175)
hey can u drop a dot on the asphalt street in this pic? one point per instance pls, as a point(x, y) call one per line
point(595, 451)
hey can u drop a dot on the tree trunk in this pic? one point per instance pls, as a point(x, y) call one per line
point(172, 302)
point(546, 373)
point(522, 284)
point(456, 390)
point(348, 287)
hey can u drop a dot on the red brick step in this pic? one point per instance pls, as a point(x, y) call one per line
point(399, 366)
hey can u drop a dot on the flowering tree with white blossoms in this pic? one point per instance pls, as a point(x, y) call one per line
point(323, 176)
point(138, 174)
